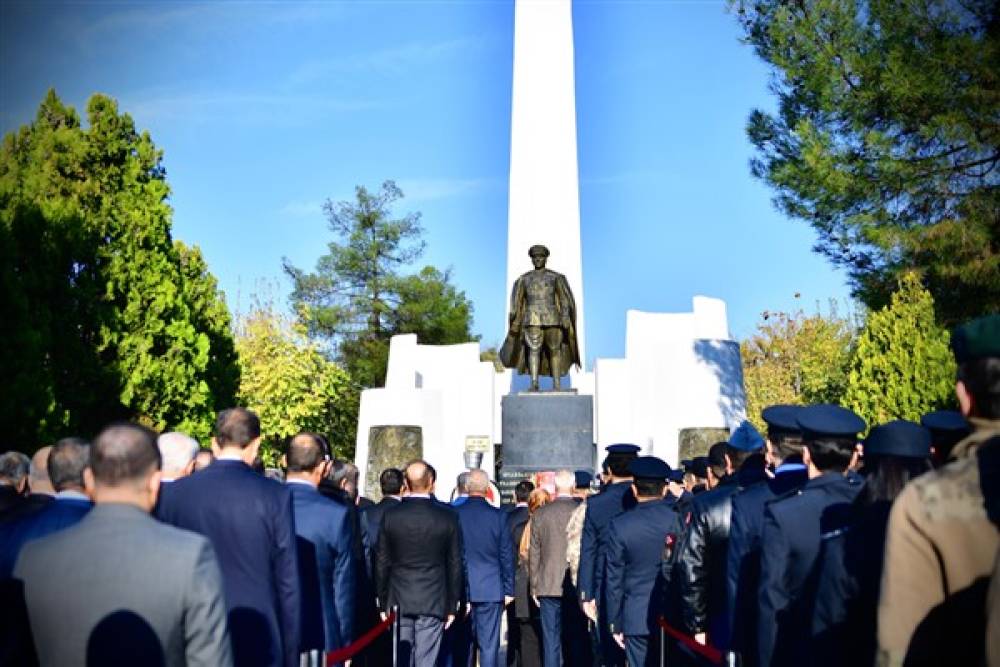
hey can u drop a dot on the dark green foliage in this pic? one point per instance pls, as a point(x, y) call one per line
point(103, 316)
point(887, 139)
point(357, 298)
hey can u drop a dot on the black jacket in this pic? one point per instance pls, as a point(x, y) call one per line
point(700, 571)
point(517, 519)
point(371, 521)
point(418, 559)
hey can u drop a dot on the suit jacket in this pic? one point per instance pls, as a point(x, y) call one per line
point(371, 522)
point(547, 563)
point(613, 500)
point(636, 543)
point(517, 519)
point(323, 537)
point(489, 555)
point(59, 514)
point(418, 560)
point(31, 503)
point(249, 521)
point(790, 543)
point(121, 588)
point(743, 557)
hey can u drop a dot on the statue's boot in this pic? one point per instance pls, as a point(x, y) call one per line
point(555, 360)
point(534, 362)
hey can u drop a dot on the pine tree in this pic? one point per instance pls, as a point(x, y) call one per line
point(902, 367)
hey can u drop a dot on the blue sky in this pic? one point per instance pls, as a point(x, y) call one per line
point(266, 109)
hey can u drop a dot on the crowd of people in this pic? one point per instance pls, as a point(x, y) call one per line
point(807, 545)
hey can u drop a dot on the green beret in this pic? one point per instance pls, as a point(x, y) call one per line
point(977, 339)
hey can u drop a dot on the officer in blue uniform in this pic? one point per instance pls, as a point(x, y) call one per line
point(845, 617)
point(793, 526)
point(784, 455)
point(947, 428)
point(636, 542)
point(615, 498)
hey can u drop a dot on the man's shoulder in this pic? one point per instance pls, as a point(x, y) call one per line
point(948, 493)
point(709, 500)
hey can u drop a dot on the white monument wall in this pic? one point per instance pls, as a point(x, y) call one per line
point(446, 391)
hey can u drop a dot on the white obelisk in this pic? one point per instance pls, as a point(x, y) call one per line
point(544, 199)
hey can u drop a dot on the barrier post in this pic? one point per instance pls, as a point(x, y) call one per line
point(733, 659)
point(395, 636)
point(663, 646)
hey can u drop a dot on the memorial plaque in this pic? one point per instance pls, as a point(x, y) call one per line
point(390, 447)
point(692, 442)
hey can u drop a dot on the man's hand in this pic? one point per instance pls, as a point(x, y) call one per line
point(620, 639)
point(507, 599)
point(448, 621)
point(700, 638)
point(590, 609)
point(383, 615)
point(535, 598)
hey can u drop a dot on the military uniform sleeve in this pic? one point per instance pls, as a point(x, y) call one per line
point(588, 557)
point(615, 574)
point(772, 596)
point(736, 569)
point(206, 638)
point(911, 578)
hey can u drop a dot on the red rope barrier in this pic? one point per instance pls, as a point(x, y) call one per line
point(348, 652)
point(708, 652)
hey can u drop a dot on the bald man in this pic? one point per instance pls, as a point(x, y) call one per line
point(120, 587)
point(418, 567)
point(489, 569)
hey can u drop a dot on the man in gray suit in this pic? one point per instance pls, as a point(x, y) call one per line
point(548, 569)
point(120, 588)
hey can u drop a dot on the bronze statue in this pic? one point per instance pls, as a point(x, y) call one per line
point(542, 319)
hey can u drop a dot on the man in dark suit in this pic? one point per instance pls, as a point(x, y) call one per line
point(614, 499)
point(418, 567)
point(323, 539)
point(548, 570)
point(793, 528)
point(119, 588)
point(249, 520)
point(391, 484)
point(489, 562)
point(67, 462)
point(784, 455)
point(636, 541)
point(523, 630)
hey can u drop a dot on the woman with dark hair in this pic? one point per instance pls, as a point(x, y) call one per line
point(849, 569)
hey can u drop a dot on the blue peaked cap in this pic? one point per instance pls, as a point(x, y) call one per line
point(746, 438)
point(899, 438)
point(782, 417)
point(649, 467)
point(829, 421)
point(945, 420)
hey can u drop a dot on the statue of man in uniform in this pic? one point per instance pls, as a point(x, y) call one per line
point(541, 339)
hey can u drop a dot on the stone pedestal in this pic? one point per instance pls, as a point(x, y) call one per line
point(390, 447)
point(544, 431)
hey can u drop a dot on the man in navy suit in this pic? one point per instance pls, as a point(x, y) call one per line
point(636, 542)
point(67, 462)
point(391, 484)
point(249, 520)
point(784, 455)
point(614, 499)
point(323, 536)
point(793, 529)
point(489, 564)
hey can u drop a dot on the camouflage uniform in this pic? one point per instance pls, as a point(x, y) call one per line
point(939, 555)
point(574, 535)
